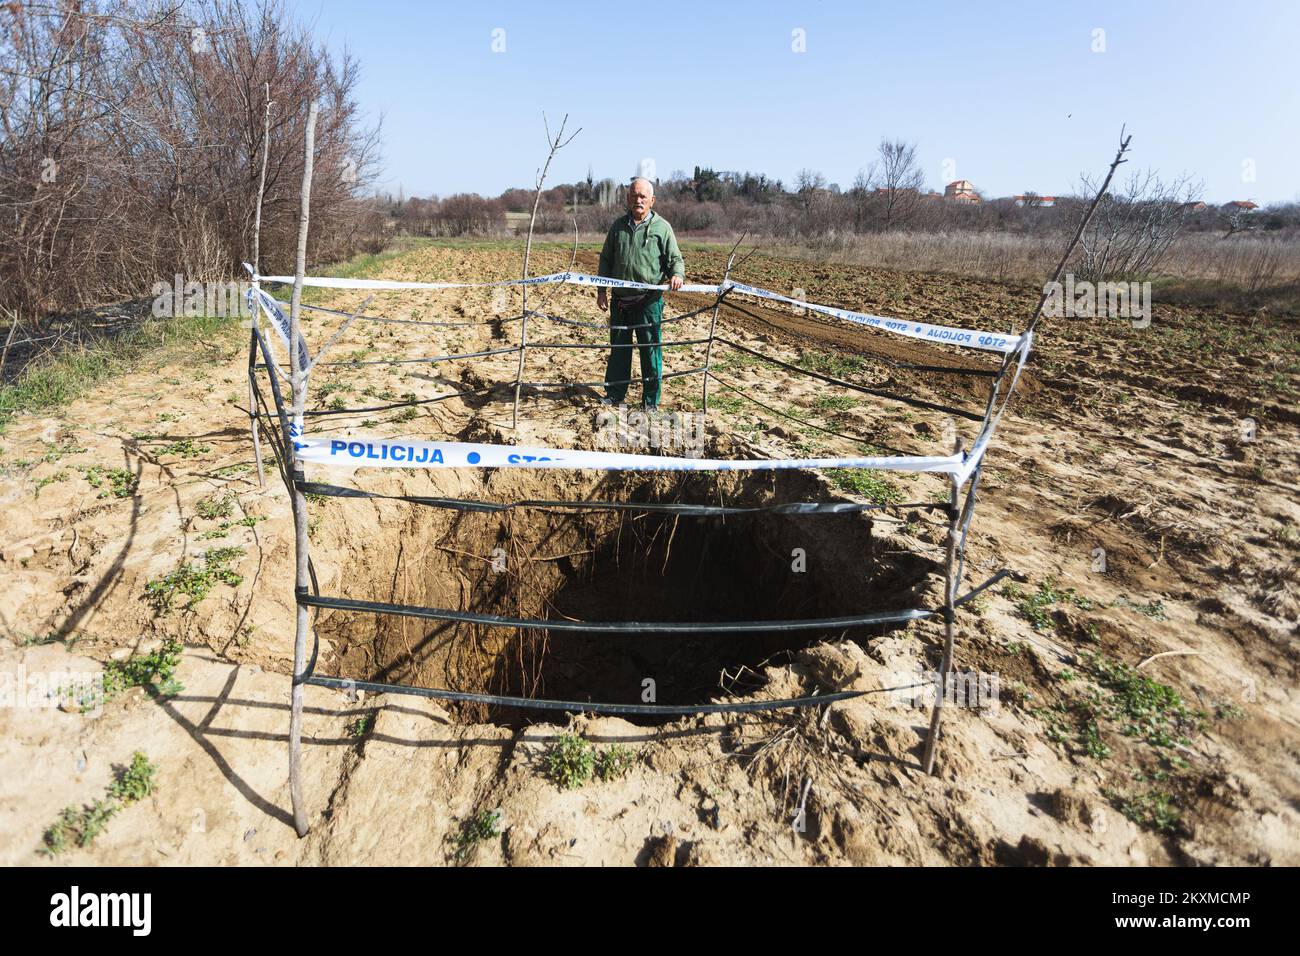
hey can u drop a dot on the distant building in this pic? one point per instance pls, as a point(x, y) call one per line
point(1197, 206)
point(963, 191)
point(1244, 205)
point(1032, 199)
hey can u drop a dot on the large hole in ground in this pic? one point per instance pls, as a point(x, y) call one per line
point(603, 566)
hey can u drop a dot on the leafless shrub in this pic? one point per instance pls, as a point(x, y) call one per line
point(132, 142)
point(1133, 228)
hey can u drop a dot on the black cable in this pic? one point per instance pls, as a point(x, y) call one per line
point(463, 504)
point(894, 363)
point(614, 627)
point(589, 707)
point(914, 402)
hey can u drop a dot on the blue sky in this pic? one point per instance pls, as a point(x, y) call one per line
point(1012, 96)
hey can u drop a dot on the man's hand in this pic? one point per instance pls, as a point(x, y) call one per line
point(602, 300)
point(675, 283)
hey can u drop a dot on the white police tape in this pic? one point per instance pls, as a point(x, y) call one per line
point(988, 341)
point(371, 452)
point(970, 338)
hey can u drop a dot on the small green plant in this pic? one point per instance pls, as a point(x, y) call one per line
point(614, 762)
point(194, 582)
point(185, 448)
point(1155, 809)
point(1035, 607)
point(80, 827)
point(570, 761)
point(143, 671)
point(1153, 609)
point(835, 403)
point(216, 506)
point(60, 475)
point(484, 825)
point(404, 416)
point(1224, 711)
point(867, 483)
point(840, 366)
point(362, 725)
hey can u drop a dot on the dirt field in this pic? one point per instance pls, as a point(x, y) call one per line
point(1168, 453)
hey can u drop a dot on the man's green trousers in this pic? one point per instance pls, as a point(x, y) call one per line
point(644, 321)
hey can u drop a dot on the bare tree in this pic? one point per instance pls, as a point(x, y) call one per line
point(897, 181)
point(1132, 230)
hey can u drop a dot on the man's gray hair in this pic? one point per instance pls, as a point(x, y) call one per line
point(641, 179)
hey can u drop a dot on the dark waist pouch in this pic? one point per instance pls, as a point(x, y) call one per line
point(635, 301)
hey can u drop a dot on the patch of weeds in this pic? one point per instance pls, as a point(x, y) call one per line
point(185, 448)
point(404, 416)
point(232, 471)
point(1034, 608)
point(835, 403)
point(1154, 809)
point(144, 671)
point(57, 451)
point(484, 825)
point(194, 582)
point(570, 761)
point(94, 475)
point(731, 404)
point(60, 475)
point(81, 827)
point(614, 762)
point(828, 363)
point(217, 506)
point(1224, 711)
point(121, 483)
point(1144, 708)
point(1153, 609)
point(867, 483)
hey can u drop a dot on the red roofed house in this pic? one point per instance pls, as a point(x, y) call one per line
point(963, 190)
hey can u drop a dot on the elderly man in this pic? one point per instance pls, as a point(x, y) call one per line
point(640, 247)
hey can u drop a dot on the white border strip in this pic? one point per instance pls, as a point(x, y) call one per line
point(358, 451)
point(970, 338)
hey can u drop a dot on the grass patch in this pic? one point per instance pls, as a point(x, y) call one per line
point(79, 827)
point(868, 483)
point(1035, 607)
point(53, 383)
point(831, 363)
point(194, 582)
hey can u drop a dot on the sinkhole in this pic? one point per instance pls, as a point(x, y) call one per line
point(533, 562)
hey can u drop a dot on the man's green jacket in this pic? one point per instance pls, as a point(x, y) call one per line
point(641, 253)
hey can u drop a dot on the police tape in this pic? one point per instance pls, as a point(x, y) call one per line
point(970, 338)
point(366, 452)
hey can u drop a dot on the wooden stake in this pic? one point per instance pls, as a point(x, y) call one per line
point(949, 608)
point(556, 144)
point(257, 284)
point(302, 580)
point(713, 324)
